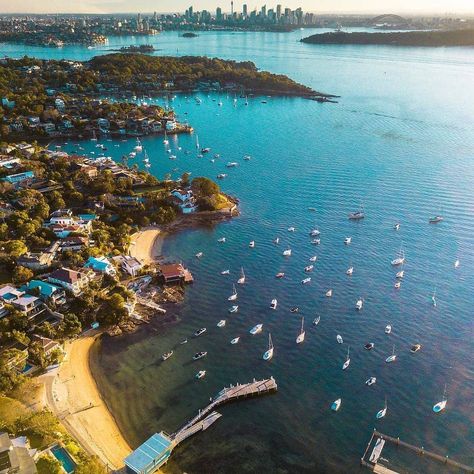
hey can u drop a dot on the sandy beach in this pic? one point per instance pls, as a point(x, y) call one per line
point(72, 394)
point(146, 244)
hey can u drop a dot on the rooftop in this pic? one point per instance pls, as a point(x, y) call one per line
point(152, 451)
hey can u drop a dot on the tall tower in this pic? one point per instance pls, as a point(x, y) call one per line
point(232, 8)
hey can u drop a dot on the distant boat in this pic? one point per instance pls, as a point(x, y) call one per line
point(388, 329)
point(199, 332)
point(294, 309)
point(359, 304)
point(274, 303)
point(166, 141)
point(339, 339)
point(312, 209)
point(329, 293)
point(305, 281)
point(256, 329)
point(279, 275)
point(313, 258)
point(205, 150)
point(166, 355)
point(232, 164)
point(316, 320)
point(221, 176)
point(316, 241)
point(415, 348)
point(369, 346)
point(371, 381)
point(391, 358)
point(315, 233)
point(225, 272)
point(435, 219)
point(235, 340)
point(400, 274)
point(336, 404)
point(241, 280)
point(221, 240)
point(348, 240)
point(199, 355)
point(200, 374)
point(138, 147)
point(291, 229)
point(252, 244)
point(276, 240)
point(399, 259)
point(433, 298)
point(302, 333)
point(221, 323)
point(350, 271)
point(184, 341)
point(233, 296)
point(357, 215)
point(247, 157)
point(381, 413)
point(94, 137)
point(269, 352)
point(309, 268)
point(440, 406)
point(233, 309)
point(396, 226)
point(199, 255)
point(348, 360)
point(457, 263)
point(397, 285)
point(287, 253)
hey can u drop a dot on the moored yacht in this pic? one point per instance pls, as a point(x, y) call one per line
point(315, 233)
point(199, 355)
point(440, 406)
point(369, 346)
point(252, 244)
point(276, 240)
point(274, 303)
point(302, 333)
point(316, 320)
point(287, 253)
point(381, 413)
point(329, 293)
point(399, 259)
point(291, 229)
point(391, 358)
point(396, 226)
point(309, 268)
point(200, 374)
point(305, 281)
point(221, 240)
point(269, 352)
point(313, 258)
point(235, 340)
point(336, 404)
point(221, 323)
point(225, 272)
point(233, 309)
point(199, 255)
point(199, 332)
point(348, 240)
point(435, 219)
point(279, 275)
point(457, 263)
point(350, 271)
point(359, 304)
point(256, 329)
point(371, 381)
point(241, 280)
point(233, 296)
point(347, 362)
point(166, 355)
point(357, 215)
point(339, 339)
point(316, 241)
point(415, 348)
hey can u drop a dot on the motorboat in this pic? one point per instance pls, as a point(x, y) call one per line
point(256, 329)
point(291, 229)
point(276, 240)
point(316, 320)
point(399, 259)
point(316, 241)
point(440, 406)
point(415, 348)
point(329, 293)
point(199, 255)
point(400, 274)
point(396, 226)
point(457, 263)
point(199, 355)
point(348, 240)
point(356, 215)
point(233, 309)
point(433, 299)
point(184, 341)
point(205, 150)
point(200, 374)
point(315, 233)
point(435, 219)
point(221, 323)
point(309, 268)
point(221, 240)
point(252, 244)
point(225, 272)
point(221, 176)
point(397, 285)
point(388, 329)
point(274, 304)
point(371, 381)
point(279, 275)
point(312, 209)
point(369, 346)
point(391, 358)
point(233, 296)
point(287, 253)
point(305, 281)
point(336, 404)
point(313, 258)
point(350, 271)
point(339, 339)
point(381, 413)
point(235, 340)
point(295, 309)
point(359, 304)
point(199, 332)
point(232, 164)
point(347, 362)
point(268, 354)
point(166, 355)
point(241, 280)
point(247, 157)
point(302, 333)
point(138, 148)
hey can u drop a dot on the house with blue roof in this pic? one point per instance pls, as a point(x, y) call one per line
point(18, 178)
point(151, 455)
point(101, 265)
point(47, 291)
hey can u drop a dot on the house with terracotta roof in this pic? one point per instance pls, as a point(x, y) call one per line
point(70, 280)
point(175, 273)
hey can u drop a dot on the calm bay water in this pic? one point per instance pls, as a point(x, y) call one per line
point(401, 140)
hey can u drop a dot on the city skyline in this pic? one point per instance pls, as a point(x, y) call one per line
point(169, 6)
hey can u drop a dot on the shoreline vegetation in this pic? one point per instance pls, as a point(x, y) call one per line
point(407, 38)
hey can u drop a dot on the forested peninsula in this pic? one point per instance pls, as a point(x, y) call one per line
point(406, 38)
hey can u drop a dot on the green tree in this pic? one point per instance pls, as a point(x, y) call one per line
point(204, 187)
point(21, 275)
point(15, 248)
point(48, 465)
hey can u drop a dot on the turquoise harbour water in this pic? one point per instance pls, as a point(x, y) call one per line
point(401, 141)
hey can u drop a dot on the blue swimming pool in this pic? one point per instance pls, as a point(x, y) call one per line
point(64, 458)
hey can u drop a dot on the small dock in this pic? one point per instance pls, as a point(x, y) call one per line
point(377, 443)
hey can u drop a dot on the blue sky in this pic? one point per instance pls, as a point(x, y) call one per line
point(110, 6)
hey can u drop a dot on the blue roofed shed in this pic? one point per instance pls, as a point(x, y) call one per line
point(151, 455)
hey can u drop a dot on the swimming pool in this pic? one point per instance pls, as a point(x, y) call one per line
point(64, 458)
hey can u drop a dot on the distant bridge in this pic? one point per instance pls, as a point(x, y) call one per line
point(389, 18)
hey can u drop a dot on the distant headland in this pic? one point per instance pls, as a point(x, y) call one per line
point(407, 38)
point(190, 35)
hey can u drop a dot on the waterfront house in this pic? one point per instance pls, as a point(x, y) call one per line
point(172, 273)
point(100, 265)
point(30, 306)
point(16, 455)
point(171, 125)
point(151, 455)
point(73, 242)
point(19, 178)
point(48, 345)
point(129, 265)
point(26, 149)
point(47, 291)
point(185, 200)
point(36, 261)
point(70, 280)
point(9, 293)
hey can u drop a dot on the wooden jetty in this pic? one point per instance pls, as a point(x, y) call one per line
point(231, 393)
point(381, 439)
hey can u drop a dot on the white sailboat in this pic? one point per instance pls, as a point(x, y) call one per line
point(350, 271)
point(391, 358)
point(339, 339)
point(305, 281)
point(287, 253)
point(221, 323)
point(336, 404)
point(308, 268)
point(433, 298)
point(225, 272)
point(313, 258)
point(348, 240)
point(381, 413)
point(233, 309)
point(235, 340)
point(400, 258)
point(329, 293)
point(388, 329)
point(440, 406)
point(316, 320)
point(348, 360)
point(221, 240)
point(302, 333)
point(457, 263)
point(276, 240)
point(256, 329)
point(274, 303)
point(233, 296)
point(269, 352)
point(252, 244)
point(241, 280)
point(138, 147)
point(359, 304)
point(165, 140)
point(370, 381)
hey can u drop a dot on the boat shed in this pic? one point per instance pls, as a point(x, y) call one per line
point(151, 455)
